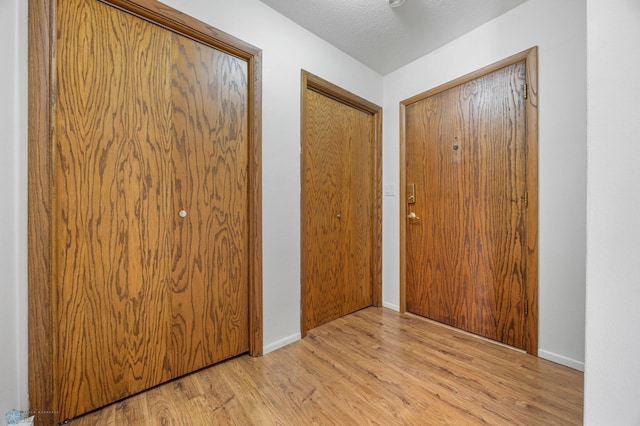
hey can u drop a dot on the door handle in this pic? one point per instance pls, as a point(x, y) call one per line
point(413, 216)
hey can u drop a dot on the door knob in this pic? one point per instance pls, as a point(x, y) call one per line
point(413, 216)
point(339, 215)
point(182, 213)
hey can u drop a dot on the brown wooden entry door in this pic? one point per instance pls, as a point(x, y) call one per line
point(151, 213)
point(466, 228)
point(340, 203)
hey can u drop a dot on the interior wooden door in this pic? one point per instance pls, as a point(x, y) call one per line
point(339, 208)
point(152, 205)
point(210, 211)
point(112, 214)
point(466, 229)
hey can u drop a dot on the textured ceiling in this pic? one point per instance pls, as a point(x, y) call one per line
point(386, 38)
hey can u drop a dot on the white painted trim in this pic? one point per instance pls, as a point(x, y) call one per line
point(281, 343)
point(391, 306)
point(559, 359)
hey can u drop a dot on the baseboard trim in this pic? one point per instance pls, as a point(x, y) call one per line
point(559, 359)
point(391, 306)
point(281, 343)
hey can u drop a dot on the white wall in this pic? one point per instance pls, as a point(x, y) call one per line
point(612, 389)
point(558, 28)
point(13, 280)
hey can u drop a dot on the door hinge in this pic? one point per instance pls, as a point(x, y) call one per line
point(524, 90)
point(525, 199)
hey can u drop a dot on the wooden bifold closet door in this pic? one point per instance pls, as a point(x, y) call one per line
point(152, 200)
point(340, 202)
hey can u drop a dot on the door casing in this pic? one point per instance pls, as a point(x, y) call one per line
point(530, 56)
point(317, 84)
point(42, 304)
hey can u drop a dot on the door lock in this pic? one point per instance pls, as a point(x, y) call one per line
point(411, 193)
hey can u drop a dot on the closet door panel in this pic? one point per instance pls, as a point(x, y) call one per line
point(338, 198)
point(113, 175)
point(209, 280)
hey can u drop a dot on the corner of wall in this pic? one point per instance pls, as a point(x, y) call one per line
point(22, 125)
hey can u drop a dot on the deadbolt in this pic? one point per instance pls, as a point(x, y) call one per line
point(411, 193)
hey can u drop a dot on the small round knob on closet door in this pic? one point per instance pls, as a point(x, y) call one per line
point(182, 213)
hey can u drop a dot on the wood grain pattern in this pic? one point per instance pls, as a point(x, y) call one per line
point(67, 228)
point(531, 105)
point(113, 186)
point(133, 308)
point(186, 25)
point(181, 23)
point(255, 201)
point(466, 258)
point(321, 205)
point(210, 268)
point(40, 199)
point(338, 204)
point(371, 367)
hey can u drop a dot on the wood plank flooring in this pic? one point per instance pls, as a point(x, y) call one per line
point(375, 366)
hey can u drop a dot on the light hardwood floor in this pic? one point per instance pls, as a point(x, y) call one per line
point(375, 366)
